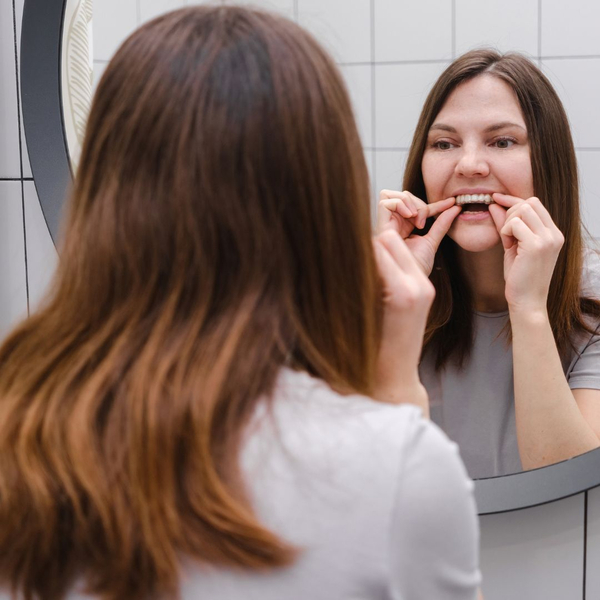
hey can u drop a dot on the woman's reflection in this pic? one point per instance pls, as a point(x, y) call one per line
point(512, 353)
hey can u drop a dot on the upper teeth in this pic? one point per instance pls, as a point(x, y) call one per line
point(474, 198)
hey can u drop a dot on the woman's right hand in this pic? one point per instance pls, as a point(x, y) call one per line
point(403, 212)
point(407, 296)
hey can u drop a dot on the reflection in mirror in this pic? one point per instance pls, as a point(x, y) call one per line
point(77, 73)
point(511, 359)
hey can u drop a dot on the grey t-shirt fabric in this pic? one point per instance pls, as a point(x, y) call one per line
point(475, 406)
point(375, 498)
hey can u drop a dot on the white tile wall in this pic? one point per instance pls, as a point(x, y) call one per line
point(284, 7)
point(10, 163)
point(589, 179)
point(570, 28)
point(577, 81)
point(413, 30)
point(13, 287)
point(152, 8)
point(502, 24)
point(19, 4)
point(593, 545)
point(113, 21)
point(535, 553)
point(400, 91)
point(358, 80)
point(42, 257)
point(389, 169)
point(342, 26)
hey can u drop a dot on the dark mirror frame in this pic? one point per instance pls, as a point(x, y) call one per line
point(41, 45)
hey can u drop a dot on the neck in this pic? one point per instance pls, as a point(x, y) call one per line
point(484, 272)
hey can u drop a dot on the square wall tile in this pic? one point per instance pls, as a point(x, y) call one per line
point(534, 553)
point(343, 27)
point(284, 7)
point(358, 80)
point(413, 30)
point(589, 180)
point(593, 545)
point(502, 24)
point(570, 28)
point(13, 288)
point(42, 257)
point(24, 154)
point(400, 91)
point(152, 8)
point(577, 81)
point(10, 161)
point(389, 172)
point(113, 21)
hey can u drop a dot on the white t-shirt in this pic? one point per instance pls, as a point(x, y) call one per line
point(475, 405)
point(376, 498)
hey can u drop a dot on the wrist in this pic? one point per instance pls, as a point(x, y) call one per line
point(404, 392)
point(528, 316)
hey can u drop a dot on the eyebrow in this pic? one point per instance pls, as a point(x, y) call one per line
point(494, 127)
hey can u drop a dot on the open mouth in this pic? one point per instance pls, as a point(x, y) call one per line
point(474, 203)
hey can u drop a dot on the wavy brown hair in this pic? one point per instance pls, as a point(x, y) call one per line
point(449, 330)
point(218, 229)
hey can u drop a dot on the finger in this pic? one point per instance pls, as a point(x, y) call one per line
point(393, 276)
point(396, 205)
point(542, 212)
point(406, 197)
point(435, 208)
point(517, 229)
point(498, 215)
point(399, 251)
point(506, 200)
point(530, 217)
point(442, 225)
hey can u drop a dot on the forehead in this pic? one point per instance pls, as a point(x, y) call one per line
point(482, 99)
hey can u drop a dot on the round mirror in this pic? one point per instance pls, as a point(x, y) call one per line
point(56, 76)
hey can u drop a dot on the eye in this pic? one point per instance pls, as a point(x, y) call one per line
point(443, 145)
point(503, 143)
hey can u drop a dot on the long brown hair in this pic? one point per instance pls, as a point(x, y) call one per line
point(218, 229)
point(450, 328)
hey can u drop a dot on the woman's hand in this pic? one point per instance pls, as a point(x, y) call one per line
point(403, 212)
point(532, 243)
point(408, 295)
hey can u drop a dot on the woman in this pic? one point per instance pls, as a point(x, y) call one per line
point(187, 413)
point(512, 354)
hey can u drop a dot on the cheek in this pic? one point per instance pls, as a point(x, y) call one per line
point(433, 175)
point(518, 177)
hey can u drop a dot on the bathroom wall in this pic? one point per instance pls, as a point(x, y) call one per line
point(390, 52)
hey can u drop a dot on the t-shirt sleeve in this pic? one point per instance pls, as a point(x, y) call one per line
point(586, 370)
point(434, 537)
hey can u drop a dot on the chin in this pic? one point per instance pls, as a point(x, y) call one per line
point(475, 239)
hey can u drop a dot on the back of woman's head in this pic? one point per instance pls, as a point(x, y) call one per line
point(218, 229)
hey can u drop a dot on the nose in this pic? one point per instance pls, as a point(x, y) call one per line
point(472, 162)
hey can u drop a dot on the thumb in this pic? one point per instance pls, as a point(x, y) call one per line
point(442, 225)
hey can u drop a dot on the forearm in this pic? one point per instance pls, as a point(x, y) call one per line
point(550, 426)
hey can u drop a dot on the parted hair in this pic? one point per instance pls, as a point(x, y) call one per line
point(449, 332)
point(217, 230)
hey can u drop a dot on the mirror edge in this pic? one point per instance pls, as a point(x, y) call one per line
point(41, 94)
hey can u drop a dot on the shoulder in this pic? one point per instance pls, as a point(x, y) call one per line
point(590, 276)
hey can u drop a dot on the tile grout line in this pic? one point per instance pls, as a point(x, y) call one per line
point(296, 10)
point(373, 102)
point(14, 11)
point(585, 526)
point(540, 33)
point(453, 29)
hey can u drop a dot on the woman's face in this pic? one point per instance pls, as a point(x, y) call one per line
point(478, 144)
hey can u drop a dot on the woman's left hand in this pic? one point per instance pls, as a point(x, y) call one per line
point(532, 243)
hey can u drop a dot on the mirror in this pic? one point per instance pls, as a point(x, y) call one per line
point(53, 140)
